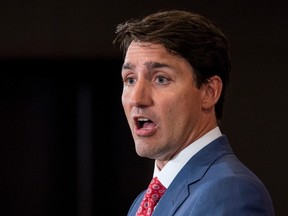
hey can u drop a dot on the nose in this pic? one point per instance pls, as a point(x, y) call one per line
point(141, 94)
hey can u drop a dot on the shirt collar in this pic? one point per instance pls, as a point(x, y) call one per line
point(171, 169)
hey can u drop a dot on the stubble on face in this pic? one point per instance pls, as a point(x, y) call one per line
point(175, 106)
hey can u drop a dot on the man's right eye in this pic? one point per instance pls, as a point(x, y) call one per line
point(130, 81)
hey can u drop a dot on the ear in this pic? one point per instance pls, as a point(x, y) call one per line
point(211, 92)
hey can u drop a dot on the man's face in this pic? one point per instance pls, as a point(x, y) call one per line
point(162, 104)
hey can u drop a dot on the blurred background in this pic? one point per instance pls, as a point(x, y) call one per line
point(66, 148)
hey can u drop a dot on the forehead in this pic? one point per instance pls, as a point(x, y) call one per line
point(148, 49)
point(152, 56)
point(143, 52)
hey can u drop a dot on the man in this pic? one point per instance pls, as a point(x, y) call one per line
point(175, 75)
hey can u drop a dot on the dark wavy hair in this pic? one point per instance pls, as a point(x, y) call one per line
point(189, 35)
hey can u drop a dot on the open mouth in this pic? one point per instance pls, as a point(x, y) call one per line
point(144, 127)
point(144, 123)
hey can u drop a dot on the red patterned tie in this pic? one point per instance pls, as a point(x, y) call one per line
point(151, 198)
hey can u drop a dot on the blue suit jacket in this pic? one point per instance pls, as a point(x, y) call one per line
point(213, 183)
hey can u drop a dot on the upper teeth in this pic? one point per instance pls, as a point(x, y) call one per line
point(143, 119)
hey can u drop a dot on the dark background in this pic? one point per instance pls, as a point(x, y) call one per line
point(65, 143)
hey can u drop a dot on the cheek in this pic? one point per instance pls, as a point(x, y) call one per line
point(125, 104)
point(172, 109)
point(187, 104)
point(124, 99)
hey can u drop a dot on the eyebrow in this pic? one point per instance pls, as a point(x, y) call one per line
point(128, 66)
point(149, 65)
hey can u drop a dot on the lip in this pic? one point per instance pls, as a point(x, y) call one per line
point(145, 128)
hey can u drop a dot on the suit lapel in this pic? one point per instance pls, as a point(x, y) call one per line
point(193, 171)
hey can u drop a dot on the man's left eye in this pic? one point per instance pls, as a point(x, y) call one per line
point(162, 80)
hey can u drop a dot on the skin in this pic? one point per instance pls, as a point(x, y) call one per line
point(159, 86)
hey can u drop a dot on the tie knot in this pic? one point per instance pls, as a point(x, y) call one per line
point(155, 189)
